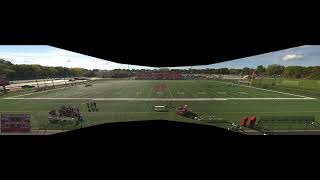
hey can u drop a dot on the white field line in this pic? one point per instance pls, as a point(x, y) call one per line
point(166, 99)
point(35, 93)
point(170, 91)
point(150, 92)
point(159, 99)
point(40, 91)
point(271, 90)
point(187, 91)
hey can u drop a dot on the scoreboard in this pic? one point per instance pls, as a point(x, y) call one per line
point(15, 122)
point(4, 80)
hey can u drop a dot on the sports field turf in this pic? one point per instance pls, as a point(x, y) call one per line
point(159, 89)
point(124, 100)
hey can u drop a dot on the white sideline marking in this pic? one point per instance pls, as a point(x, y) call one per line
point(150, 92)
point(36, 92)
point(166, 99)
point(270, 90)
point(277, 92)
point(162, 99)
point(170, 92)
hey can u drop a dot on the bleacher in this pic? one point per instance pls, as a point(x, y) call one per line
point(287, 121)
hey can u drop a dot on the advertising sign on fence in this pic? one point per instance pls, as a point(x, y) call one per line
point(15, 122)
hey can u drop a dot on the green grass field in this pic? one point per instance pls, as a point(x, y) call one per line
point(158, 89)
point(130, 100)
point(298, 86)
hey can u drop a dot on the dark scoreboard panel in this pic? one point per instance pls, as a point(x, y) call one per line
point(15, 122)
point(4, 80)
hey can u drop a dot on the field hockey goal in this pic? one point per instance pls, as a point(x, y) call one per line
point(244, 82)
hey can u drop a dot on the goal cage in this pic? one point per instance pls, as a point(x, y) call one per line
point(243, 82)
point(247, 79)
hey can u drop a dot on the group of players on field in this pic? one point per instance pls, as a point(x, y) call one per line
point(92, 106)
point(65, 111)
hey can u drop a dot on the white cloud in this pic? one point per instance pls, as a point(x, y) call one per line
point(290, 57)
point(60, 57)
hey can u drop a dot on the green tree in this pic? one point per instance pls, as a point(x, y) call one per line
point(260, 70)
point(293, 72)
point(245, 71)
point(5, 62)
point(315, 73)
point(224, 71)
point(77, 72)
point(275, 69)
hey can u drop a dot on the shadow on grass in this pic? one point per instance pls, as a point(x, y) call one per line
point(190, 115)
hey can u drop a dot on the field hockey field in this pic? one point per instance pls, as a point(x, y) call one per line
point(131, 100)
point(144, 90)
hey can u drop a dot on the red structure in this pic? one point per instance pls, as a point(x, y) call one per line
point(244, 121)
point(4, 80)
point(253, 120)
point(182, 110)
point(160, 75)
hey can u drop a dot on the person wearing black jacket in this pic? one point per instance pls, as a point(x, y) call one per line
point(95, 105)
point(89, 110)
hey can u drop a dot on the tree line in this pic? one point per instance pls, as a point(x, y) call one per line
point(24, 71)
point(296, 72)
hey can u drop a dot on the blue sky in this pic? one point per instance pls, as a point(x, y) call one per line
point(298, 56)
point(306, 55)
point(51, 56)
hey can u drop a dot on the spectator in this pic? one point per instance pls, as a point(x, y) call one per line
point(95, 105)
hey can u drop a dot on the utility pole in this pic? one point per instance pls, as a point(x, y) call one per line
point(52, 82)
point(64, 79)
point(66, 71)
point(252, 77)
point(45, 85)
point(260, 81)
point(275, 79)
point(280, 81)
point(73, 80)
